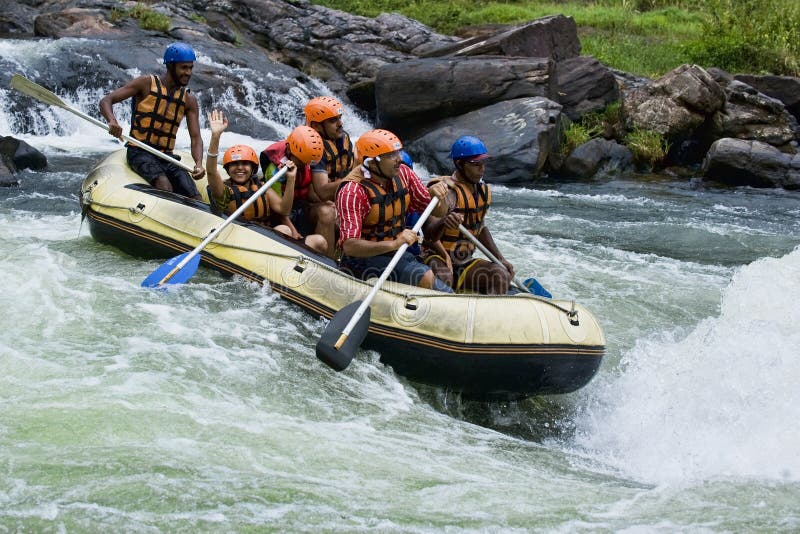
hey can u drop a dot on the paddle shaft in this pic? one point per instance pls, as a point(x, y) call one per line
point(386, 272)
point(489, 255)
point(38, 92)
point(255, 196)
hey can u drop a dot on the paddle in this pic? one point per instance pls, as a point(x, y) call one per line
point(337, 346)
point(179, 269)
point(32, 89)
point(531, 285)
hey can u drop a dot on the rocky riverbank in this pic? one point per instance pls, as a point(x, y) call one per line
point(517, 87)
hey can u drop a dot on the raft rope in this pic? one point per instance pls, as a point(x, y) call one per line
point(572, 314)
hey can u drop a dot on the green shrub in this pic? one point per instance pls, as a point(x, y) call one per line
point(148, 19)
point(574, 135)
point(606, 123)
point(648, 147)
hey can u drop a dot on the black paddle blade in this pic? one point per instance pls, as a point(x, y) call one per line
point(339, 359)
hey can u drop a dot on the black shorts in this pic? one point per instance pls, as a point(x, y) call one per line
point(300, 220)
point(151, 167)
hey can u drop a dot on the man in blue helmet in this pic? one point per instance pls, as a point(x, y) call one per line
point(468, 201)
point(159, 104)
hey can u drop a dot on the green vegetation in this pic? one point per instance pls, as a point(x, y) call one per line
point(648, 37)
point(607, 123)
point(148, 19)
point(648, 147)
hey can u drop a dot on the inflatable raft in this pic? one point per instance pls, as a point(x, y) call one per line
point(486, 347)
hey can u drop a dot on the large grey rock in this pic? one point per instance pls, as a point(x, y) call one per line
point(520, 134)
point(584, 86)
point(411, 94)
point(784, 88)
point(753, 163)
point(676, 103)
point(336, 47)
point(16, 20)
point(751, 115)
point(555, 37)
point(598, 158)
point(75, 22)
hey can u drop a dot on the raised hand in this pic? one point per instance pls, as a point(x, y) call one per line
point(217, 122)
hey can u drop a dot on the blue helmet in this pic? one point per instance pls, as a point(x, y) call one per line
point(179, 53)
point(407, 159)
point(468, 146)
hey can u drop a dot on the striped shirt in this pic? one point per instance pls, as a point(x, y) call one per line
point(352, 202)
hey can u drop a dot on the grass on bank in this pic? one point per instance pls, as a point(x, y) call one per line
point(646, 37)
point(148, 18)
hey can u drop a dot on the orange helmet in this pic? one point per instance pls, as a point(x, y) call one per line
point(240, 153)
point(377, 142)
point(322, 108)
point(305, 144)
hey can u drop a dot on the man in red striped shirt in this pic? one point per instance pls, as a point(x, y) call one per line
point(372, 204)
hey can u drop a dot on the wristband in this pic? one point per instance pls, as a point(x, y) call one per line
point(210, 155)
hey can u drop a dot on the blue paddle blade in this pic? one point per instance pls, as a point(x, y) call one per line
point(179, 277)
point(536, 288)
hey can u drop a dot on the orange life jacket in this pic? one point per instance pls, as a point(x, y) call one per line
point(387, 207)
point(339, 157)
point(258, 211)
point(155, 118)
point(473, 205)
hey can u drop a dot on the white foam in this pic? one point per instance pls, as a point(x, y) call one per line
point(722, 401)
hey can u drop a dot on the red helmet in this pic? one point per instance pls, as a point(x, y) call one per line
point(377, 142)
point(240, 153)
point(323, 108)
point(305, 144)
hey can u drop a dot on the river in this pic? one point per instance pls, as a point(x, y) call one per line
point(205, 409)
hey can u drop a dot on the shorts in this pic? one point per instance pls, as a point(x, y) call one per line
point(299, 217)
point(151, 167)
point(407, 271)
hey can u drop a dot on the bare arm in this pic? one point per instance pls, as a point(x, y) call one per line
point(485, 237)
point(362, 248)
point(324, 188)
point(282, 205)
point(138, 86)
point(217, 122)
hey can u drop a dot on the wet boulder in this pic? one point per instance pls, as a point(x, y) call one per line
point(520, 135)
point(17, 155)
